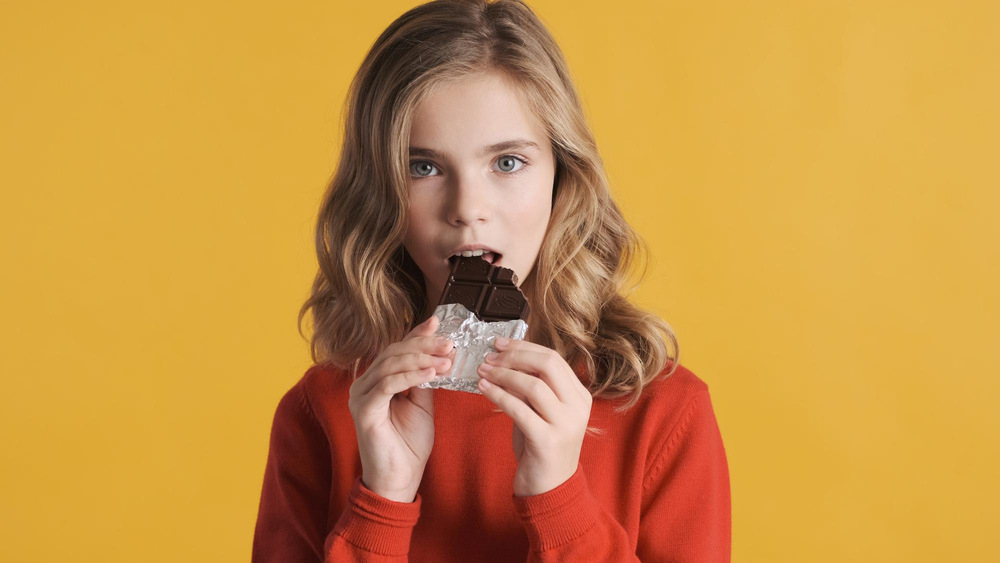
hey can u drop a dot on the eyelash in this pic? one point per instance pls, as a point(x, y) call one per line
point(524, 162)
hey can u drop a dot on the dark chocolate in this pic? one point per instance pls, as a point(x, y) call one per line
point(488, 291)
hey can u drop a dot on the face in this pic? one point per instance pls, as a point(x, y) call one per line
point(467, 189)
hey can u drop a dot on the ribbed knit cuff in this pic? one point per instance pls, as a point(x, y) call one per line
point(559, 516)
point(376, 524)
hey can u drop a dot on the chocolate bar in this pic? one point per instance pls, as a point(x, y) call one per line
point(485, 289)
point(480, 303)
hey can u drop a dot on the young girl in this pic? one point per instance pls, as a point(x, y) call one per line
point(464, 133)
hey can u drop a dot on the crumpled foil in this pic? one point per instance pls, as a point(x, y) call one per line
point(473, 339)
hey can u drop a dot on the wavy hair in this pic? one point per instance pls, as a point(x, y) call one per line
point(369, 293)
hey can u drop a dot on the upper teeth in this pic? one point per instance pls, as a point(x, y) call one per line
point(468, 253)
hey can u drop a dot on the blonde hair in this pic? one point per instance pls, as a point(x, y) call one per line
point(369, 293)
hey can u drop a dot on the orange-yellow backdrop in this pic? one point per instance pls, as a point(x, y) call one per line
point(818, 183)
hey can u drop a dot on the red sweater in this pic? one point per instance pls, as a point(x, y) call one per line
point(653, 487)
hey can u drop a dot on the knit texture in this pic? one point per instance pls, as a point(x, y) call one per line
point(654, 486)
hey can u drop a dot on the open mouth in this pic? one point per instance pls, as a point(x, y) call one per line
point(491, 257)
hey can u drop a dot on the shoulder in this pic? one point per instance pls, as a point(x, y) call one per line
point(672, 391)
point(689, 426)
point(680, 383)
point(669, 406)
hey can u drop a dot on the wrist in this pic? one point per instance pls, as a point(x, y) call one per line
point(376, 524)
point(407, 495)
point(559, 515)
point(526, 486)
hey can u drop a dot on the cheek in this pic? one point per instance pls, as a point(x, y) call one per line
point(419, 220)
point(424, 207)
point(535, 213)
point(418, 236)
point(529, 220)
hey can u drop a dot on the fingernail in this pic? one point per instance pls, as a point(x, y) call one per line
point(491, 356)
point(500, 341)
point(485, 367)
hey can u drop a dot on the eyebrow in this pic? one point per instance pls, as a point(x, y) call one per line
point(494, 148)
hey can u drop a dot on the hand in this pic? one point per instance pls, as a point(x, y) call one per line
point(395, 429)
point(549, 405)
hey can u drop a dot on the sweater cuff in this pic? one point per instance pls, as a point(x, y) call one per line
point(559, 516)
point(376, 524)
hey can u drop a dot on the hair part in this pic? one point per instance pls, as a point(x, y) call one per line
point(368, 292)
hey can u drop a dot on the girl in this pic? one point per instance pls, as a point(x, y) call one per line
point(464, 133)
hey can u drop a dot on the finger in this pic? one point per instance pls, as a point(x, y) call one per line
point(511, 391)
point(530, 423)
point(416, 360)
point(419, 333)
point(439, 346)
point(429, 344)
point(537, 393)
point(427, 327)
point(362, 387)
point(532, 358)
point(402, 364)
point(378, 398)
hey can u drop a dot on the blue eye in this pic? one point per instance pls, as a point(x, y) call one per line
point(419, 162)
point(423, 168)
point(512, 159)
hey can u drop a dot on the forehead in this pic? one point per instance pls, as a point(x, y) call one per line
point(462, 116)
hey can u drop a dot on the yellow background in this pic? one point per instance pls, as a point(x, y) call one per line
point(818, 182)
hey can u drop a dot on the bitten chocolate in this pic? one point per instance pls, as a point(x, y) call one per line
point(485, 289)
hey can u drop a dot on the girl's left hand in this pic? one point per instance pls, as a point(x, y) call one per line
point(549, 405)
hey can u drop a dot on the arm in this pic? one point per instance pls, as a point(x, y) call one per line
point(567, 524)
point(292, 517)
point(372, 528)
point(685, 509)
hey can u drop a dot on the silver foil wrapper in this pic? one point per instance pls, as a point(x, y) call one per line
point(473, 339)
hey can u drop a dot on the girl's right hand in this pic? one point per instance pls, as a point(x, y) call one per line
point(396, 430)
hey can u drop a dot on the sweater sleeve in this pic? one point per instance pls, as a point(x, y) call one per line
point(685, 510)
point(686, 504)
point(292, 516)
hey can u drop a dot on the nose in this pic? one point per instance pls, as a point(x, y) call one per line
point(469, 201)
